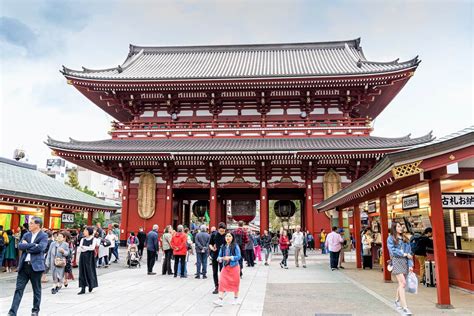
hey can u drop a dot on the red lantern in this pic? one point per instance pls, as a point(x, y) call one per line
point(244, 210)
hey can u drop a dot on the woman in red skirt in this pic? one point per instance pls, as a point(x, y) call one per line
point(229, 280)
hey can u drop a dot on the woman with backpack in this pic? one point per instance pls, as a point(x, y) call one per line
point(401, 262)
point(249, 250)
point(56, 260)
point(229, 279)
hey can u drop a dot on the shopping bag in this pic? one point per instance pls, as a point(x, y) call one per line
point(412, 283)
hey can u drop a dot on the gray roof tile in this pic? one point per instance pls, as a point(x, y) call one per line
point(243, 61)
point(248, 145)
point(24, 181)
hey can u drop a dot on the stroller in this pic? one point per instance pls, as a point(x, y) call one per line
point(133, 258)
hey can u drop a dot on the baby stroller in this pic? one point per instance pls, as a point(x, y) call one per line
point(133, 258)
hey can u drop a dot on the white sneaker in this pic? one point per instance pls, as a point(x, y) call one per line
point(219, 302)
point(397, 305)
point(406, 311)
point(235, 302)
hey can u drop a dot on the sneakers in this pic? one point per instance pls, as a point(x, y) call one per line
point(406, 311)
point(216, 291)
point(219, 302)
point(286, 267)
point(304, 266)
point(204, 277)
point(281, 265)
point(397, 305)
point(235, 302)
point(197, 277)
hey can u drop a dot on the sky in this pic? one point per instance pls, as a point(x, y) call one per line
point(38, 37)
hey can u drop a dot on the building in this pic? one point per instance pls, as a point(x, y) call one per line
point(429, 185)
point(56, 169)
point(104, 187)
point(237, 122)
point(25, 192)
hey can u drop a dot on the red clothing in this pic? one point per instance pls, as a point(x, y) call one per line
point(245, 237)
point(284, 242)
point(178, 244)
point(229, 279)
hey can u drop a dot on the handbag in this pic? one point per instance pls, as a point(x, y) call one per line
point(59, 262)
point(366, 251)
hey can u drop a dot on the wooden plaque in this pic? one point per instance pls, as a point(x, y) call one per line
point(146, 195)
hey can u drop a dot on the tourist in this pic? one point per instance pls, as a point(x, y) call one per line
point(241, 239)
point(152, 247)
point(87, 271)
point(275, 242)
point(56, 260)
point(168, 252)
point(213, 230)
point(249, 250)
point(266, 241)
point(284, 243)
point(346, 246)
point(257, 247)
point(10, 252)
point(322, 241)
point(421, 245)
point(402, 263)
point(310, 240)
point(116, 232)
point(333, 244)
point(367, 241)
point(132, 240)
point(141, 241)
point(202, 240)
point(99, 230)
point(215, 244)
point(229, 256)
point(103, 253)
point(297, 240)
point(305, 243)
point(31, 265)
point(68, 275)
point(179, 246)
point(112, 240)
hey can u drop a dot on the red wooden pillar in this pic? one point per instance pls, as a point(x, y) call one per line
point(89, 218)
point(15, 223)
point(213, 205)
point(125, 204)
point(356, 234)
point(439, 245)
point(387, 276)
point(264, 216)
point(340, 220)
point(47, 216)
point(309, 204)
point(169, 203)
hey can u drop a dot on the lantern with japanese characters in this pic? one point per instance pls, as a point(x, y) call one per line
point(284, 208)
point(244, 210)
point(200, 208)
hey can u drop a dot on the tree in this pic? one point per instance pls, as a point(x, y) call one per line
point(87, 191)
point(100, 219)
point(73, 180)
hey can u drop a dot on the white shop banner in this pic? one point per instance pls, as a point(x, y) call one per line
point(457, 200)
point(410, 202)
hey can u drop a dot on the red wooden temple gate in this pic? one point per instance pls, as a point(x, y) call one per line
point(238, 122)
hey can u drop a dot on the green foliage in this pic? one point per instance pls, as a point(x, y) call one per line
point(73, 180)
point(100, 219)
point(87, 191)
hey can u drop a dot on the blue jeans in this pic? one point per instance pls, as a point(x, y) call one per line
point(115, 251)
point(323, 250)
point(201, 261)
point(2, 255)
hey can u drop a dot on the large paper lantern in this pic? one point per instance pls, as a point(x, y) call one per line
point(200, 208)
point(244, 210)
point(284, 208)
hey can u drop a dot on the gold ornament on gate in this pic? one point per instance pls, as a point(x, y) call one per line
point(146, 195)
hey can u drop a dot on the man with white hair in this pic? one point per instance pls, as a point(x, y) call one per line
point(152, 246)
point(297, 240)
point(202, 240)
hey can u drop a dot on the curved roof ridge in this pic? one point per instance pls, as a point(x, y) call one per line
point(236, 47)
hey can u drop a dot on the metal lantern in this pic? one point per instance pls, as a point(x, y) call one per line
point(284, 208)
point(244, 210)
point(200, 208)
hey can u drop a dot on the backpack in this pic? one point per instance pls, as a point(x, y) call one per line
point(415, 243)
point(238, 237)
point(2, 241)
point(105, 242)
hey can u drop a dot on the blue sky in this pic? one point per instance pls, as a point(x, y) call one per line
point(38, 37)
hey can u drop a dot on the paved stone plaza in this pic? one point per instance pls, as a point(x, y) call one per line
point(264, 291)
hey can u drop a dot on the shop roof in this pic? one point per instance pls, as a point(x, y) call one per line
point(461, 139)
point(23, 181)
point(339, 58)
point(244, 145)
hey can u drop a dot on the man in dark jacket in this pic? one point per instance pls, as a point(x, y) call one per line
point(217, 240)
point(201, 241)
point(141, 241)
point(31, 265)
point(152, 246)
point(266, 245)
point(241, 239)
point(424, 242)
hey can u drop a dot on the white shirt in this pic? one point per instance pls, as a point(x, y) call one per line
point(297, 239)
point(33, 237)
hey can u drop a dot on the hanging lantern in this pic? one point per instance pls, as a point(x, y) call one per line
point(200, 208)
point(244, 210)
point(284, 208)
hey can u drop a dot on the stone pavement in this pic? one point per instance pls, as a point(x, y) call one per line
point(264, 291)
